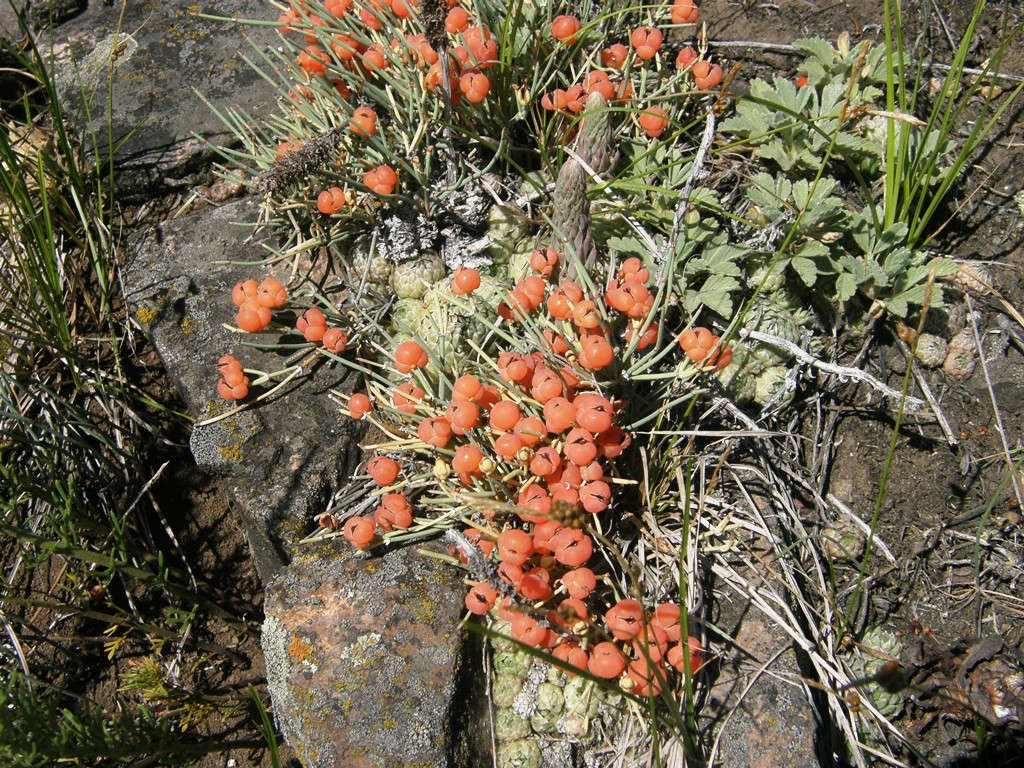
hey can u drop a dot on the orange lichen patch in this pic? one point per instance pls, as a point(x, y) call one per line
point(300, 650)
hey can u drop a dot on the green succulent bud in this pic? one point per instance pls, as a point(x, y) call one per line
point(575, 728)
point(959, 366)
point(507, 227)
point(931, 350)
point(769, 383)
point(878, 646)
point(502, 643)
point(516, 663)
point(769, 279)
point(550, 698)
point(411, 279)
point(522, 753)
point(542, 721)
point(843, 541)
point(505, 689)
point(582, 697)
point(509, 726)
point(368, 267)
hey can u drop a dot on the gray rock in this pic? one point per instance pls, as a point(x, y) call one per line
point(281, 458)
point(363, 662)
point(775, 725)
point(149, 62)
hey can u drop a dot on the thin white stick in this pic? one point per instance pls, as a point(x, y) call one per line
point(843, 372)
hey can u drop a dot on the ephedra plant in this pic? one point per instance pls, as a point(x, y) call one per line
point(544, 300)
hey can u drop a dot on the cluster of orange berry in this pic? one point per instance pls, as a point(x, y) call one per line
point(546, 570)
point(255, 302)
point(233, 384)
point(644, 44)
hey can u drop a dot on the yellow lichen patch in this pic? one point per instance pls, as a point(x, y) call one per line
point(146, 315)
point(187, 326)
point(300, 650)
point(232, 452)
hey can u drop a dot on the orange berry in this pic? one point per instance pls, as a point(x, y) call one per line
point(535, 584)
point(571, 654)
point(684, 12)
point(252, 317)
point(359, 531)
point(535, 499)
point(504, 416)
point(562, 300)
point(331, 200)
point(466, 280)
point(544, 261)
point(595, 353)
point(685, 57)
point(545, 462)
point(599, 82)
point(667, 617)
point(467, 459)
point(244, 291)
point(314, 59)
point(482, 46)
point(457, 20)
point(565, 29)
point(394, 511)
point(508, 445)
point(572, 547)
point(403, 9)
point(363, 122)
point(546, 385)
point(474, 86)
point(346, 48)
point(514, 546)
point(801, 81)
point(481, 598)
point(646, 41)
point(593, 412)
point(406, 397)
point(381, 180)
point(335, 340)
point(463, 415)
point(233, 392)
point(359, 405)
point(271, 294)
point(606, 661)
point(580, 447)
point(526, 629)
point(559, 414)
point(580, 582)
point(530, 429)
point(337, 8)
point(654, 120)
point(383, 469)
point(646, 676)
point(706, 75)
point(596, 496)
point(436, 431)
point(624, 619)
point(555, 100)
point(585, 315)
point(312, 325)
point(676, 658)
point(466, 387)
point(614, 56)
point(410, 355)
point(513, 367)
